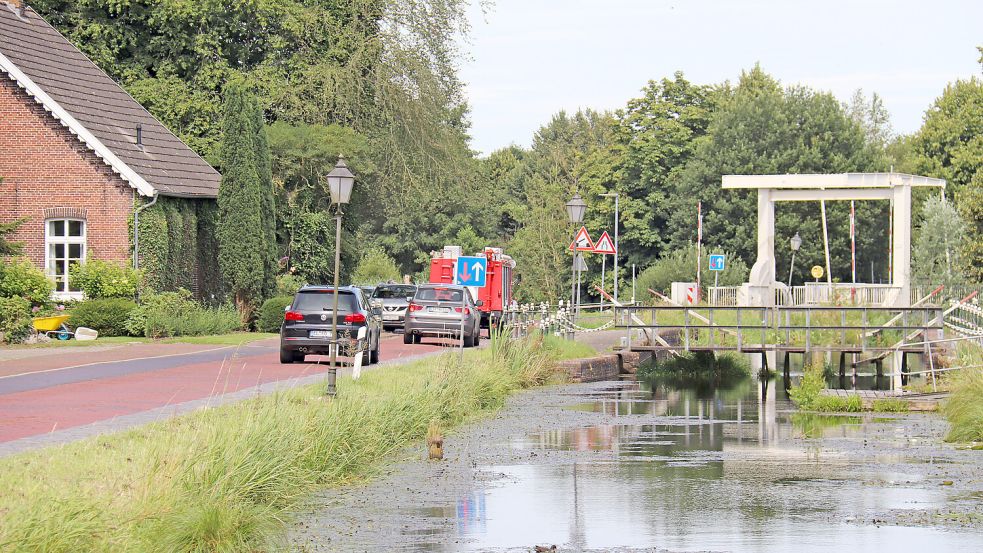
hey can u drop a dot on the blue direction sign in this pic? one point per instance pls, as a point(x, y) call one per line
point(717, 262)
point(471, 271)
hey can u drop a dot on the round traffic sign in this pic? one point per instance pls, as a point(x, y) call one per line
point(817, 271)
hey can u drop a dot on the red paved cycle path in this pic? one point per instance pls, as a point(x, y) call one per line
point(126, 381)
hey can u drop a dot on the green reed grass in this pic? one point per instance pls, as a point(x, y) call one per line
point(964, 408)
point(227, 479)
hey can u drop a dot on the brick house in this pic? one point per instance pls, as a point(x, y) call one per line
point(80, 158)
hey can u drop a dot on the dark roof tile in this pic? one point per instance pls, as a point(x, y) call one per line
point(101, 106)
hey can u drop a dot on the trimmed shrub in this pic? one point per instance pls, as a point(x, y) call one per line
point(19, 277)
point(287, 285)
point(15, 319)
point(100, 279)
point(176, 314)
point(271, 314)
point(106, 315)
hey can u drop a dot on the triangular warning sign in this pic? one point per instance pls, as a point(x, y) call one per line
point(604, 245)
point(582, 242)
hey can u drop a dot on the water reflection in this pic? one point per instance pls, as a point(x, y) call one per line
point(725, 473)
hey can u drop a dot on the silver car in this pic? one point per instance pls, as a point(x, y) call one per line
point(395, 298)
point(439, 310)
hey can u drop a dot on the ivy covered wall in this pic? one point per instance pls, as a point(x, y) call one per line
point(178, 248)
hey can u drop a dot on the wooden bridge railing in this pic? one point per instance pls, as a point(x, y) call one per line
point(806, 328)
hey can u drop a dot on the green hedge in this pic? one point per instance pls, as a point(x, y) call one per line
point(15, 319)
point(271, 314)
point(101, 279)
point(19, 277)
point(108, 316)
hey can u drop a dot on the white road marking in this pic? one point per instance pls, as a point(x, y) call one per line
point(117, 361)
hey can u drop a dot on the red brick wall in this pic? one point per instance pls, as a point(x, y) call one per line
point(47, 170)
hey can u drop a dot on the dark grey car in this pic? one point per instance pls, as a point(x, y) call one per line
point(439, 310)
point(306, 328)
point(394, 298)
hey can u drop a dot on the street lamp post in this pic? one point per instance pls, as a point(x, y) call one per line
point(796, 243)
point(616, 196)
point(576, 208)
point(340, 182)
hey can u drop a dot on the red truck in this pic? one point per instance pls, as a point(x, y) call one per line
point(495, 295)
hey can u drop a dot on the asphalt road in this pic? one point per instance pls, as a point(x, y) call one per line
point(48, 393)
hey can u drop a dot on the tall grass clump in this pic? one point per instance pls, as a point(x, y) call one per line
point(722, 366)
point(807, 391)
point(227, 479)
point(808, 395)
point(700, 371)
point(964, 408)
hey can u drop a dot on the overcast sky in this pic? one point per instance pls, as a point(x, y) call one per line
point(532, 58)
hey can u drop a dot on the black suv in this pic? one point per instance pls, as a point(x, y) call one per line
point(306, 327)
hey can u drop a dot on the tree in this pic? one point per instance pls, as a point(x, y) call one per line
point(872, 116)
point(950, 146)
point(6, 246)
point(762, 128)
point(264, 174)
point(657, 135)
point(240, 229)
point(936, 255)
point(375, 266)
point(561, 154)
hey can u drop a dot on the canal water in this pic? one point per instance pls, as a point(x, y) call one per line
point(703, 467)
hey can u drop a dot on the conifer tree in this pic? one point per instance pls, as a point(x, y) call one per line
point(264, 171)
point(241, 234)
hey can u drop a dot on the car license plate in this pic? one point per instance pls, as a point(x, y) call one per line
point(390, 317)
point(440, 310)
point(320, 334)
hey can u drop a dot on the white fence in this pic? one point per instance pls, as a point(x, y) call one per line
point(821, 293)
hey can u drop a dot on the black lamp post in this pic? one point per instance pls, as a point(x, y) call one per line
point(340, 182)
point(576, 208)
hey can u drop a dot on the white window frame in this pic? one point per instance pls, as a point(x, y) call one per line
point(65, 240)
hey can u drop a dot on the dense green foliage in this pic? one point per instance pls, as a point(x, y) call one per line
point(680, 266)
point(244, 253)
point(807, 394)
point(19, 277)
point(375, 266)
point(178, 247)
point(6, 246)
point(167, 314)
point(379, 75)
point(226, 478)
point(950, 145)
point(271, 313)
point(102, 279)
point(108, 315)
point(964, 410)
point(937, 252)
point(15, 319)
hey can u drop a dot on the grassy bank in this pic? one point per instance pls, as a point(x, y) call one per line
point(964, 409)
point(227, 479)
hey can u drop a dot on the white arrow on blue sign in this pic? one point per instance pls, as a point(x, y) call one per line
point(716, 262)
point(470, 271)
